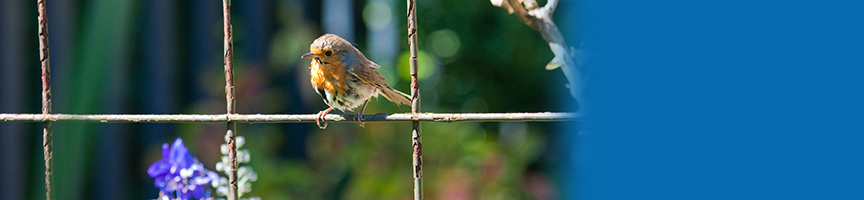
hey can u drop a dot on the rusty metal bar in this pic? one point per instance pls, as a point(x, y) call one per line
point(231, 134)
point(417, 159)
point(47, 135)
point(302, 118)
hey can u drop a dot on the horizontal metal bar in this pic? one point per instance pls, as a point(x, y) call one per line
point(259, 118)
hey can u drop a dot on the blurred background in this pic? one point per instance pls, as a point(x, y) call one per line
point(165, 57)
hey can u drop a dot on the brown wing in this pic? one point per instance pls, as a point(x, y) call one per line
point(368, 75)
point(371, 76)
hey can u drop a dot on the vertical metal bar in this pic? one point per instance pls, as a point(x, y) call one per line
point(231, 134)
point(47, 138)
point(415, 102)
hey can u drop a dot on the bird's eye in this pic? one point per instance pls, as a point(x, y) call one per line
point(328, 53)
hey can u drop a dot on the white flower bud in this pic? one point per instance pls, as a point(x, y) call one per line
point(252, 176)
point(186, 173)
point(240, 141)
point(220, 166)
point(222, 191)
point(243, 156)
point(223, 149)
point(242, 170)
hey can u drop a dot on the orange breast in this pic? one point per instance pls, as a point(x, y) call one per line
point(330, 77)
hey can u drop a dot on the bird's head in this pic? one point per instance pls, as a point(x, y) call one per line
point(330, 48)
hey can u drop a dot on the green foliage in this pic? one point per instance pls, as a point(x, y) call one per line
point(101, 58)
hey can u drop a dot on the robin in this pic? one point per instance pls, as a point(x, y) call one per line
point(345, 78)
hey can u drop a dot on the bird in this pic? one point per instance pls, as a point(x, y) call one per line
point(344, 78)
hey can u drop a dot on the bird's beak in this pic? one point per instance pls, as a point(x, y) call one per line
point(308, 55)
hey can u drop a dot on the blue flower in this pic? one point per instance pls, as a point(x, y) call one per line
point(179, 172)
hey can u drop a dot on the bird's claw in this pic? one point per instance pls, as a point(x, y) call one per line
point(320, 118)
point(359, 117)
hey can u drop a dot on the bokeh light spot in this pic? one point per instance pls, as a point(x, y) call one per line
point(444, 43)
point(425, 65)
point(377, 15)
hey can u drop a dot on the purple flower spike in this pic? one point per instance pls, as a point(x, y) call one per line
point(179, 172)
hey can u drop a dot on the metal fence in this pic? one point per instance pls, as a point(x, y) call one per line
point(231, 117)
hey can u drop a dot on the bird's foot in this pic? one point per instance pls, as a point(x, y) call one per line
point(320, 118)
point(359, 117)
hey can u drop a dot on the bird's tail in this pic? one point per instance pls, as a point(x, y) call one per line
point(394, 95)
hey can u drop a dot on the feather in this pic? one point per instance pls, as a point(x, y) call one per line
point(394, 95)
